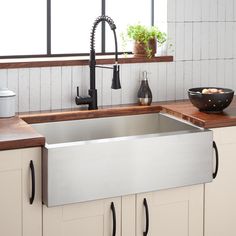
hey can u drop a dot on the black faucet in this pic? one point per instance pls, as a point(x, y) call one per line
point(91, 100)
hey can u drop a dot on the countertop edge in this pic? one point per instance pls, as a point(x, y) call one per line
point(22, 143)
point(16, 133)
point(193, 120)
point(76, 114)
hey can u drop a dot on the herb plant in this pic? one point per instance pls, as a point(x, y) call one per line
point(143, 35)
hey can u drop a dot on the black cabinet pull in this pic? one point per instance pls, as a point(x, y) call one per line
point(217, 160)
point(145, 233)
point(113, 210)
point(33, 182)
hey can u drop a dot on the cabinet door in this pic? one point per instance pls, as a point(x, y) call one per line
point(85, 219)
point(176, 212)
point(17, 216)
point(220, 195)
point(10, 193)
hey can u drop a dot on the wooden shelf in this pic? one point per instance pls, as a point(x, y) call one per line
point(76, 61)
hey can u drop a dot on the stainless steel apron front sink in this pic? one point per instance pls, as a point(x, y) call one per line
point(98, 158)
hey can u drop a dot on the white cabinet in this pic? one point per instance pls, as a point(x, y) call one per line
point(85, 219)
point(220, 195)
point(176, 212)
point(171, 212)
point(17, 216)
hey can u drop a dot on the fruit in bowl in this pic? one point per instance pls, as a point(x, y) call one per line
point(212, 91)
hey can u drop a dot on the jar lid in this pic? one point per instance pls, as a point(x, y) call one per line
point(5, 92)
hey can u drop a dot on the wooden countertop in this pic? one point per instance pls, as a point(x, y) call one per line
point(16, 133)
point(186, 111)
point(181, 109)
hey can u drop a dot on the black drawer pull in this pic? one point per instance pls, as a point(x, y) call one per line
point(217, 160)
point(113, 210)
point(33, 182)
point(145, 233)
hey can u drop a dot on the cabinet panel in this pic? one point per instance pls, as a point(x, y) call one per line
point(176, 212)
point(89, 218)
point(220, 195)
point(17, 216)
point(10, 203)
point(10, 160)
point(128, 215)
point(225, 135)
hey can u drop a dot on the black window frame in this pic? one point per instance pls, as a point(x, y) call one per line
point(49, 43)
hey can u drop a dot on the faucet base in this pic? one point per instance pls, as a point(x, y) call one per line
point(93, 103)
point(91, 100)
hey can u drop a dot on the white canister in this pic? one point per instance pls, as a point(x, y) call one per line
point(7, 102)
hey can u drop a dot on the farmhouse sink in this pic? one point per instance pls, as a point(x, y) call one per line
point(98, 158)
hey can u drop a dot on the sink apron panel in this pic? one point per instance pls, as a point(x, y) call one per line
point(90, 170)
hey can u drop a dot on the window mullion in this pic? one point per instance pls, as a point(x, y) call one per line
point(152, 12)
point(48, 27)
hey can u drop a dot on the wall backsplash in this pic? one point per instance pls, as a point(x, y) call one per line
point(203, 38)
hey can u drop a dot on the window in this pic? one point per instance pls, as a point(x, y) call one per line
point(71, 25)
point(132, 12)
point(22, 27)
point(62, 27)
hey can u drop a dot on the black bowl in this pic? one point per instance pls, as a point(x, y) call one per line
point(210, 103)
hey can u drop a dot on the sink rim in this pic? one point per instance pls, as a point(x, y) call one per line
point(189, 129)
point(117, 139)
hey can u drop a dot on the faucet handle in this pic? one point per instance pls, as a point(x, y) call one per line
point(78, 91)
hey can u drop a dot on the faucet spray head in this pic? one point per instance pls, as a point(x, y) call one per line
point(116, 77)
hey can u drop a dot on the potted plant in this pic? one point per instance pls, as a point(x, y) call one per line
point(145, 39)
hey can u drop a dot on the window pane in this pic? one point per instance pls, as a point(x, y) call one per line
point(125, 13)
point(72, 22)
point(160, 20)
point(23, 27)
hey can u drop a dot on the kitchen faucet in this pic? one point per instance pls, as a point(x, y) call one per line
point(91, 100)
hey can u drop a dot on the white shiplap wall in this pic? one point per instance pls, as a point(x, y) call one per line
point(203, 38)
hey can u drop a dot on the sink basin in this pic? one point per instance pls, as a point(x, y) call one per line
point(98, 158)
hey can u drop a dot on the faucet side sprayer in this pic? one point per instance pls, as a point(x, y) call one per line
point(91, 100)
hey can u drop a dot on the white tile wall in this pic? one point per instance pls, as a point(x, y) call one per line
point(56, 88)
point(34, 89)
point(202, 38)
point(196, 74)
point(45, 89)
point(179, 80)
point(196, 41)
point(188, 73)
point(220, 73)
point(3, 76)
point(205, 9)
point(221, 10)
point(197, 10)
point(13, 83)
point(212, 72)
point(170, 81)
point(205, 28)
point(24, 90)
point(221, 40)
point(212, 40)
